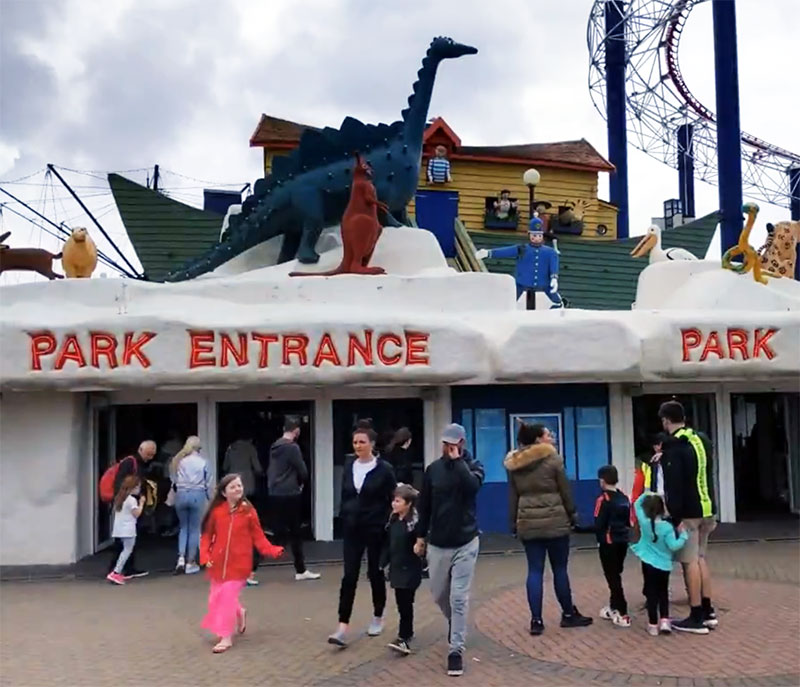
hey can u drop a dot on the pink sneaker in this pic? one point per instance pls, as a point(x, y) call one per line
point(116, 578)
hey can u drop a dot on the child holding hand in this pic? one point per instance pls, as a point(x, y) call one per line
point(230, 532)
point(405, 567)
point(656, 548)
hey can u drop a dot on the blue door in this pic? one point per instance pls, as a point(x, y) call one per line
point(436, 211)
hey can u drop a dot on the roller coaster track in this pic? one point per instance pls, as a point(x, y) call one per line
point(658, 100)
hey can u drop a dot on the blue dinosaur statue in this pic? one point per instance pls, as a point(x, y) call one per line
point(310, 188)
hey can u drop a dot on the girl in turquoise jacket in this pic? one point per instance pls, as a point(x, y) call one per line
point(655, 548)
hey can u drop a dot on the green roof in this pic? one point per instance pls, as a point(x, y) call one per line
point(165, 233)
point(601, 275)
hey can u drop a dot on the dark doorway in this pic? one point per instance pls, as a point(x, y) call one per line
point(168, 424)
point(763, 458)
point(262, 422)
point(700, 412)
point(387, 415)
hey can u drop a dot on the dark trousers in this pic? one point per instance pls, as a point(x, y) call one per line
point(405, 609)
point(287, 518)
point(557, 549)
point(656, 591)
point(116, 550)
point(353, 546)
point(612, 558)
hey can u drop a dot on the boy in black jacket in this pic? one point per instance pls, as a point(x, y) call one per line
point(612, 513)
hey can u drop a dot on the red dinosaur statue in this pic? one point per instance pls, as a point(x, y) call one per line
point(27, 259)
point(360, 226)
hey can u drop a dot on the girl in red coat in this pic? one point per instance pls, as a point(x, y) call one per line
point(230, 531)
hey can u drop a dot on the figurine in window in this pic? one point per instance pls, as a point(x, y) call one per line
point(537, 266)
point(439, 167)
point(505, 207)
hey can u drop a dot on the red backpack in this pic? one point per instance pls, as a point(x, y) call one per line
point(108, 479)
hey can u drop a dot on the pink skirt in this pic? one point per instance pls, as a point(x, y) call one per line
point(223, 607)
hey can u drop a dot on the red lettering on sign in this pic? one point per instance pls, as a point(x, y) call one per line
point(201, 344)
point(737, 341)
point(103, 344)
point(133, 348)
point(295, 344)
point(690, 338)
point(762, 343)
point(383, 341)
point(264, 340)
point(417, 348)
point(70, 350)
point(712, 346)
point(364, 350)
point(326, 353)
point(239, 354)
point(42, 343)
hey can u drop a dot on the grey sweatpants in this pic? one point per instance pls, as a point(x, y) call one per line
point(451, 572)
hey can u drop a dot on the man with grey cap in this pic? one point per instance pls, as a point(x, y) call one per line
point(448, 528)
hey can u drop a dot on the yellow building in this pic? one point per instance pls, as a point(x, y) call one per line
point(568, 180)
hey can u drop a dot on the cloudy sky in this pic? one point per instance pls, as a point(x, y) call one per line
point(104, 86)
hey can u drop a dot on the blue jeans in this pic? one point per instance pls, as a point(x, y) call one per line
point(557, 549)
point(190, 506)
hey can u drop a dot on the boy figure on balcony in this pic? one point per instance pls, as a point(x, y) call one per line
point(439, 167)
point(504, 206)
point(537, 266)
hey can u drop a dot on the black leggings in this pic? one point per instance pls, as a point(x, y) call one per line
point(405, 609)
point(656, 591)
point(353, 546)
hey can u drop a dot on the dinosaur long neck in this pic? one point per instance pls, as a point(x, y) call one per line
point(744, 237)
point(416, 114)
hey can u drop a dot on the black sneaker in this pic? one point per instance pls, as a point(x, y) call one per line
point(455, 664)
point(400, 646)
point(710, 619)
point(691, 625)
point(575, 619)
point(135, 573)
point(537, 627)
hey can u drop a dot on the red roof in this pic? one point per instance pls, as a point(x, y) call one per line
point(273, 132)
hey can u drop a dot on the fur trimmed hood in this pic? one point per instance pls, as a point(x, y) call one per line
point(516, 460)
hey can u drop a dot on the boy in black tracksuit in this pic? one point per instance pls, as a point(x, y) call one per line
point(612, 515)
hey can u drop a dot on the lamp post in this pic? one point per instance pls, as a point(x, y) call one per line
point(531, 178)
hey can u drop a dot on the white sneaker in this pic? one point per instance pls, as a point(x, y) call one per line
point(307, 575)
point(375, 627)
point(621, 620)
point(606, 613)
point(652, 630)
point(192, 568)
point(665, 626)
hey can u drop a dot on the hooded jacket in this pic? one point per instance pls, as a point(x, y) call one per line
point(540, 498)
point(228, 540)
point(447, 501)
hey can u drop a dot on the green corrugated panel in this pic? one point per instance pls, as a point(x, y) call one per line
point(601, 275)
point(165, 234)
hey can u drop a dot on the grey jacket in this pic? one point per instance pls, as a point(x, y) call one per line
point(287, 471)
point(540, 498)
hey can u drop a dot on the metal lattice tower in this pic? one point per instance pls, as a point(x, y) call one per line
point(659, 101)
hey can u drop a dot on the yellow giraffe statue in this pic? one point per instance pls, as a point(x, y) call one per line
point(750, 258)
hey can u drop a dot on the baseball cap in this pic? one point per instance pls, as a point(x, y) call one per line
point(454, 433)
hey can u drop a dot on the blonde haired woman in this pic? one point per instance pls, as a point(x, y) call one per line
point(191, 480)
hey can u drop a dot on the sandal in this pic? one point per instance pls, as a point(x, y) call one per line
point(221, 648)
point(241, 620)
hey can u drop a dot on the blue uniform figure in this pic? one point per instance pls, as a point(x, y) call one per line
point(537, 266)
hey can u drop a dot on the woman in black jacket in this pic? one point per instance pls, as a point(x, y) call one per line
point(368, 485)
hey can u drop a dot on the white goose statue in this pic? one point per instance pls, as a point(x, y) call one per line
point(651, 243)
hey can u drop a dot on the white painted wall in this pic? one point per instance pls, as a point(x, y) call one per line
point(623, 456)
point(41, 459)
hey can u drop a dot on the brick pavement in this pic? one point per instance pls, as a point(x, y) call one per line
point(96, 635)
